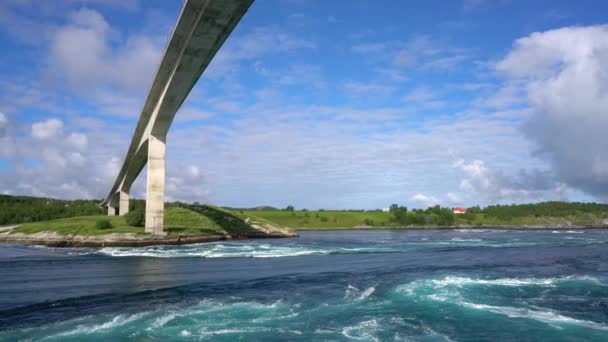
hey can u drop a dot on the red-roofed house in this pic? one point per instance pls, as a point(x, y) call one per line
point(459, 211)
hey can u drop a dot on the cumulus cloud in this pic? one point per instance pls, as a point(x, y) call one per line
point(78, 140)
point(425, 201)
point(564, 74)
point(92, 60)
point(47, 129)
point(494, 186)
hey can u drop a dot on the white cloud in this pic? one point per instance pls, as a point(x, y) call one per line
point(47, 129)
point(454, 198)
point(425, 201)
point(193, 171)
point(494, 186)
point(564, 75)
point(78, 140)
point(92, 60)
point(3, 120)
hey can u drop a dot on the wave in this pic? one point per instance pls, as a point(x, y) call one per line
point(363, 331)
point(545, 316)
point(459, 282)
point(356, 295)
point(117, 321)
point(456, 242)
point(235, 250)
point(466, 240)
point(480, 230)
point(447, 290)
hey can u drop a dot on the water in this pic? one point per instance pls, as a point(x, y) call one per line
point(456, 285)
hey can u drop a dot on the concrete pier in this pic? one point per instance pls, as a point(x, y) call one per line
point(111, 210)
point(155, 185)
point(123, 203)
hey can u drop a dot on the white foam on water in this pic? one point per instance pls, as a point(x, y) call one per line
point(546, 316)
point(466, 240)
point(209, 333)
point(275, 318)
point(161, 321)
point(459, 242)
point(446, 290)
point(117, 321)
point(185, 333)
point(368, 292)
point(235, 250)
point(568, 232)
point(362, 331)
point(474, 230)
point(463, 281)
point(356, 295)
point(458, 282)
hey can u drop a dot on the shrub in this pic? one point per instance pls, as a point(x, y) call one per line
point(103, 224)
point(136, 218)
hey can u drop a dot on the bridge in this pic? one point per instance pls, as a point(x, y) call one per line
point(201, 29)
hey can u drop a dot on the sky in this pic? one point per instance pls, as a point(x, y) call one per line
point(318, 104)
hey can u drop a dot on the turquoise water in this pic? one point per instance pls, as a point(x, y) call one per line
point(456, 285)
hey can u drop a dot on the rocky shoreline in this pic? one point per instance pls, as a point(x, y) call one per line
point(53, 239)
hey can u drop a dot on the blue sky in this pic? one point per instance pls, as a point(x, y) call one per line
point(324, 104)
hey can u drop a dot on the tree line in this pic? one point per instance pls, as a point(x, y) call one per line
point(22, 209)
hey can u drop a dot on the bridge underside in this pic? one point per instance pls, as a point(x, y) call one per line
point(201, 29)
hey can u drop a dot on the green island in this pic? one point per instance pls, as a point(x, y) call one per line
point(83, 223)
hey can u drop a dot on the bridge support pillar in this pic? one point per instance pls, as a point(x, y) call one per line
point(111, 209)
point(155, 185)
point(123, 205)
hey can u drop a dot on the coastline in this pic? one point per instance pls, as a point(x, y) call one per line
point(53, 239)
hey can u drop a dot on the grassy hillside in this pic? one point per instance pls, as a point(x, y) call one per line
point(325, 219)
point(203, 220)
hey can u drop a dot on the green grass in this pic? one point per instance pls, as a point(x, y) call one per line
point(349, 219)
point(184, 221)
point(324, 219)
point(197, 220)
point(81, 225)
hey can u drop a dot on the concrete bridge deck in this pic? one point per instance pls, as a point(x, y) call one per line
point(201, 29)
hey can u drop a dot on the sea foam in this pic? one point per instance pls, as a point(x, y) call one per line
point(235, 250)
